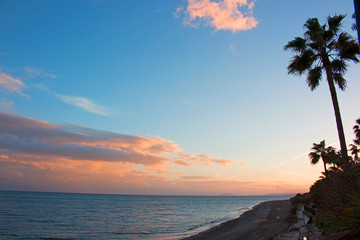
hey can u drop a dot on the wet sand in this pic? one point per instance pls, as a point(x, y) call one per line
point(260, 223)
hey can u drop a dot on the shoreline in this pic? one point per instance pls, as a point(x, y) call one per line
point(260, 222)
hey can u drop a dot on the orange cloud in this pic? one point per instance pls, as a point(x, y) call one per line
point(11, 84)
point(27, 136)
point(203, 159)
point(42, 156)
point(234, 15)
point(59, 174)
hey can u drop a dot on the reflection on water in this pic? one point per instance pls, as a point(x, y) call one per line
point(96, 216)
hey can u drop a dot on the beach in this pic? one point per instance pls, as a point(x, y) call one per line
point(263, 221)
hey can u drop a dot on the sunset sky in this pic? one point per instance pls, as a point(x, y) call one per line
point(184, 97)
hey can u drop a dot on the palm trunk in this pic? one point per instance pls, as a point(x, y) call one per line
point(339, 125)
point(357, 14)
point(325, 167)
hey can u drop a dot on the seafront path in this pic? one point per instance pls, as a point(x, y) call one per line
point(300, 229)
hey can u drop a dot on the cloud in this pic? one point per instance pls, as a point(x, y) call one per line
point(120, 177)
point(29, 138)
point(6, 104)
point(37, 72)
point(42, 156)
point(178, 11)
point(83, 103)
point(10, 84)
point(233, 15)
point(185, 159)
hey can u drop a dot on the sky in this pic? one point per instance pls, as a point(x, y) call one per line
point(180, 97)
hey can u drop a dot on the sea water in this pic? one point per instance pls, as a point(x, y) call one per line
point(38, 215)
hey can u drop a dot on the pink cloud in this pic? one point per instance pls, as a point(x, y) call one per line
point(42, 156)
point(183, 162)
point(203, 159)
point(234, 15)
point(21, 135)
point(11, 84)
point(6, 104)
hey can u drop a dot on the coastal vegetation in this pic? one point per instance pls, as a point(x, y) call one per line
point(335, 197)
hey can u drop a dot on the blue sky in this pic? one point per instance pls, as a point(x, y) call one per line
point(136, 68)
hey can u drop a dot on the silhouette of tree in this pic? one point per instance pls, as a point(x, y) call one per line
point(354, 148)
point(357, 132)
point(320, 151)
point(325, 48)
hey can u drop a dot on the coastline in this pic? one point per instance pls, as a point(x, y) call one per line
point(263, 221)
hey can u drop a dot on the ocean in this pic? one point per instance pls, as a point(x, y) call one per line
point(40, 215)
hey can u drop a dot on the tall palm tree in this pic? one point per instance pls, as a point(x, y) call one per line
point(325, 48)
point(320, 151)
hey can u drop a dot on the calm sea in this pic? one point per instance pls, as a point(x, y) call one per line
point(35, 215)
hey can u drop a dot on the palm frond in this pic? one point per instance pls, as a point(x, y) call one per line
point(316, 45)
point(347, 47)
point(334, 22)
point(312, 25)
point(339, 65)
point(296, 45)
point(358, 121)
point(340, 80)
point(314, 158)
point(357, 132)
point(354, 25)
point(354, 150)
point(314, 29)
point(328, 35)
point(314, 77)
point(300, 63)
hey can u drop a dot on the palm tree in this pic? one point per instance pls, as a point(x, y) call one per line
point(325, 48)
point(357, 132)
point(323, 152)
point(354, 149)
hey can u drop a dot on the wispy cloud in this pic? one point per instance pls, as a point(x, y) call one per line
point(186, 159)
point(178, 11)
point(233, 15)
point(77, 101)
point(6, 104)
point(12, 85)
point(233, 49)
point(84, 103)
point(32, 73)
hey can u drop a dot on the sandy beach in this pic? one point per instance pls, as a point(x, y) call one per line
point(265, 220)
